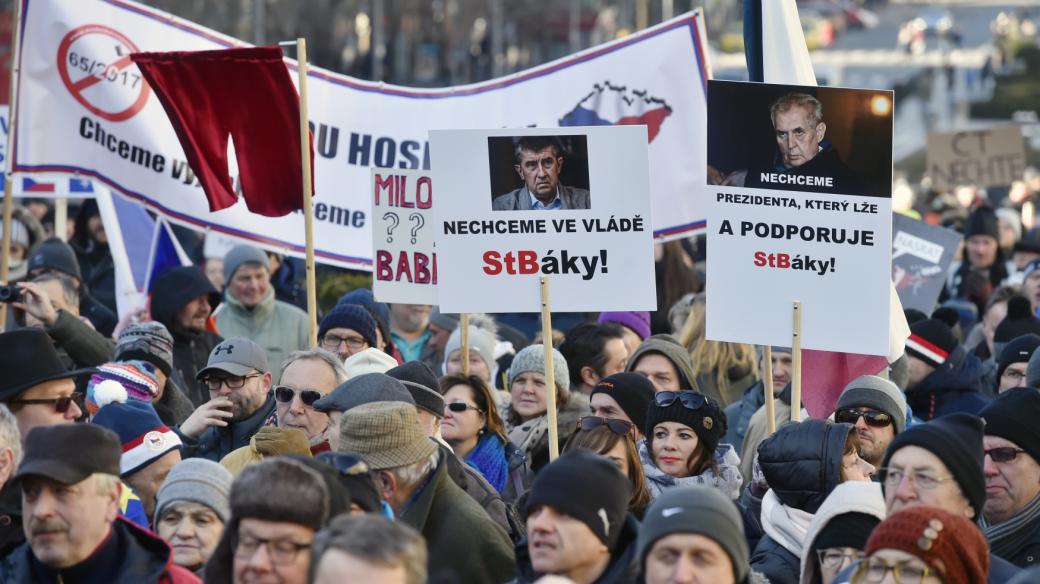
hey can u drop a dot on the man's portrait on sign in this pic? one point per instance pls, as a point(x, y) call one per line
point(539, 173)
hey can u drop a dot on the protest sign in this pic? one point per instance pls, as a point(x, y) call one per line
point(43, 186)
point(572, 204)
point(84, 108)
point(799, 210)
point(921, 257)
point(989, 157)
point(403, 232)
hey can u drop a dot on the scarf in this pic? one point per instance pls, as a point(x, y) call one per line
point(489, 457)
point(727, 480)
point(1007, 538)
point(787, 526)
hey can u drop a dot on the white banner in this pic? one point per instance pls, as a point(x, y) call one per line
point(568, 203)
point(403, 233)
point(84, 108)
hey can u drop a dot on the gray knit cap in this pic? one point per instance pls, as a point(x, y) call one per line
point(363, 389)
point(871, 391)
point(147, 341)
point(196, 480)
point(532, 358)
point(481, 342)
point(242, 254)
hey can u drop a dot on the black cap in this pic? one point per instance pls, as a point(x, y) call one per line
point(1019, 321)
point(1013, 416)
point(55, 254)
point(28, 358)
point(632, 392)
point(69, 453)
point(982, 221)
point(421, 382)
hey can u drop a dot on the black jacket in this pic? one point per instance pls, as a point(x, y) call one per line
point(622, 569)
point(954, 386)
point(11, 534)
point(216, 443)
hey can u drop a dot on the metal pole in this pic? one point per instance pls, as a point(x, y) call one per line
point(378, 40)
point(498, 57)
point(574, 21)
point(259, 21)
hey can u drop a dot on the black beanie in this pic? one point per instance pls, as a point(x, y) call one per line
point(846, 530)
point(586, 486)
point(1013, 416)
point(913, 315)
point(421, 382)
point(1019, 350)
point(931, 341)
point(982, 221)
point(708, 421)
point(1019, 321)
point(957, 440)
point(632, 392)
point(55, 254)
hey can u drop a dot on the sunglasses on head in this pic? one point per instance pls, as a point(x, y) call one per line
point(61, 404)
point(690, 400)
point(286, 394)
point(1003, 454)
point(852, 415)
point(619, 427)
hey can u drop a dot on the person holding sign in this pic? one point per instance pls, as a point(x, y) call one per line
point(539, 160)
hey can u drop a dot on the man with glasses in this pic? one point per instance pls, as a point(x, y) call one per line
point(1013, 362)
point(347, 330)
point(239, 385)
point(877, 409)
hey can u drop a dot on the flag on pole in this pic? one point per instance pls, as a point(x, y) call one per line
point(166, 253)
point(245, 94)
point(775, 50)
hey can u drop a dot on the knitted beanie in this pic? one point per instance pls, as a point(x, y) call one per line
point(196, 480)
point(638, 321)
point(1013, 416)
point(846, 530)
point(242, 254)
point(281, 489)
point(350, 316)
point(1019, 321)
point(147, 341)
point(871, 391)
point(931, 341)
point(144, 437)
point(950, 545)
point(982, 221)
point(632, 392)
point(957, 440)
point(421, 382)
point(707, 421)
point(481, 343)
point(135, 379)
point(1018, 350)
point(586, 486)
point(532, 358)
point(364, 297)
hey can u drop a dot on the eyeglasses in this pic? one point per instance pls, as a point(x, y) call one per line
point(332, 342)
point(836, 557)
point(691, 400)
point(459, 407)
point(852, 415)
point(61, 404)
point(892, 477)
point(619, 427)
point(1003, 454)
point(231, 381)
point(281, 551)
point(1013, 374)
point(286, 394)
point(874, 570)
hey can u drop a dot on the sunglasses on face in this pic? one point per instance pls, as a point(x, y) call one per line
point(852, 415)
point(61, 404)
point(459, 407)
point(619, 427)
point(286, 394)
point(690, 400)
point(1003, 454)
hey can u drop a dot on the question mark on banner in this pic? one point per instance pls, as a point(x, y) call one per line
point(419, 222)
point(392, 217)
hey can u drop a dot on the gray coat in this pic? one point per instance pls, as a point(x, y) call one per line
point(520, 199)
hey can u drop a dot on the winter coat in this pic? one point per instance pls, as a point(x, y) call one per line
point(476, 486)
point(827, 162)
point(758, 429)
point(622, 569)
point(851, 497)
point(173, 407)
point(740, 378)
point(464, 544)
point(131, 555)
point(802, 464)
point(217, 442)
point(279, 328)
point(669, 347)
point(532, 436)
point(777, 553)
point(738, 415)
point(727, 479)
point(81, 345)
point(11, 534)
point(955, 386)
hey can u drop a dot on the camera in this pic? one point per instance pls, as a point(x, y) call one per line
point(10, 293)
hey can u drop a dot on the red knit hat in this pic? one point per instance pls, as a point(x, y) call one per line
point(949, 544)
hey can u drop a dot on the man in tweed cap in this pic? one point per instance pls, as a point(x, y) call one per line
point(412, 477)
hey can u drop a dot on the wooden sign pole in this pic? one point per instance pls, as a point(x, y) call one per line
point(550, 371)
point(308, 203)
point(767, 388)
point(796, 364)
point(464, 324)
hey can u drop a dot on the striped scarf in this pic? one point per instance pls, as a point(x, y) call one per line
point(1007, 538)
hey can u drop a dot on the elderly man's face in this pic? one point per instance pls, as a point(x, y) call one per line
point(300, 376)
point(540, 171)
point(1010, 484)
point(796, 136)
point(66, 523)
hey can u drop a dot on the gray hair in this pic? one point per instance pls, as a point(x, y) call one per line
point(375, 540)
point(68, 287)
point(10, 437)
point(317, 355)
point(413, 474)
point(801, 100)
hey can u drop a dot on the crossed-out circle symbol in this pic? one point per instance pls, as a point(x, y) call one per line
point(98, 71)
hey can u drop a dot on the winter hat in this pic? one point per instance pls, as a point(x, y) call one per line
point(19, 233)
point(631, 391)
point(147, 341)
point(1019, 321)
point(281, 489)
point(707, 421)
point(1033, 370)
point(55, 254)
point(931, 341)
point(871, 391)
point(949, 544)
point(1012, 218)
point(914, 316)
point(144, 437)
point(386, 435)
point(481, 341)
point(846, 530)
point(532, 358)
point(364, 297)
point(982, 221)
point(669, 347)
point(351, 316)
point(448, 322)
point(698, 510)
point(957, 440)
point(1013, 416)
point(638, 321)
point(586, 486)
point(421, 382)
point(1030, 242)
point(364, 389)
point(371, 360)
point(242, 254)
point(114, 382)
point(177, 286)
point(1019, 350)
point(196, 480)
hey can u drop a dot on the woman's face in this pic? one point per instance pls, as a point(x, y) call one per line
point(192, 530)
point(528, 395)
point(619, 456)
point(855, 468)
point(461, 426)
point(673, 446)
point(476, 365)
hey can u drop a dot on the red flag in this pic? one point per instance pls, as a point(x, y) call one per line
point(243, 93)
point(826, 373)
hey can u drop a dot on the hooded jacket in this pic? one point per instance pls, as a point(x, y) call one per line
point(622, 569)
point(669, 347)
point(851, 497)
point(280, 328)
point(955, 386)
point(95, 259)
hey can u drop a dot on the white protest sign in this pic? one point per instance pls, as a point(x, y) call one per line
point(904, 243)
point(802, 213)
point(592, 239)
point(43, 186)
point(989, 157)
point(83, 108)
point(403, 232)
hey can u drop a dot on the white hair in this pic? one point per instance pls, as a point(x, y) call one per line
point(413, 474)
point(10, 437)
